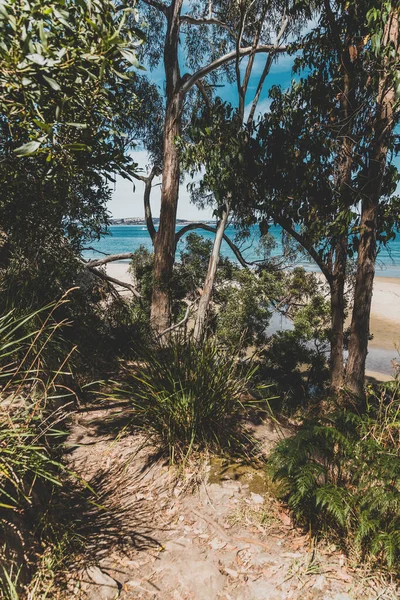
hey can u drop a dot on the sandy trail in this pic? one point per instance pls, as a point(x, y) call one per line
point(204, 535)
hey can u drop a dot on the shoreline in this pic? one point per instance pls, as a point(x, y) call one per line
point(385, 321)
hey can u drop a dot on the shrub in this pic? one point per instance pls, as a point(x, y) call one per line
point(190, 396)
point(341, 473)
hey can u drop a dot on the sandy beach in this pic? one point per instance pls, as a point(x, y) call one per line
point(385, 320)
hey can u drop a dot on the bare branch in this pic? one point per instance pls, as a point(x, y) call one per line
point(266, 70)
point(232, 246)
point(158, 5)
point(110, 279)
point(207, 21)
point(148, 182)
point(189, 82)
point(109, 258)
point(182, 322)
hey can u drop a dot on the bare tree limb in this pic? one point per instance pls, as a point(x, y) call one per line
point(266, 70)
point(110, 279)
point(189, 82)
point(158, 5)
point(109, 258)
point(232, 246)
point(148, 182)
point(207, 21)
point(285, 224)
point(182, 322)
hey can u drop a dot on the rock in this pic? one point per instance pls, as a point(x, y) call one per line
point(257, 498)
point(97, 585)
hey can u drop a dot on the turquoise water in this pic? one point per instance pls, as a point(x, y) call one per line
point(127, 238)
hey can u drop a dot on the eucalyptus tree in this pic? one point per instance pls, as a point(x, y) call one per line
point(214, 37)
point(67, 99)
point(384, 55)
point(309, 159)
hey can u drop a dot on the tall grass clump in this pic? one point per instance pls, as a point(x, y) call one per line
point(189, 395)
point(341, 474)
point(32, 402)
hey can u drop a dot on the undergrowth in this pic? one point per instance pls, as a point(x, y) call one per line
point(32, 404)
point(340, 474)
point(190, 396)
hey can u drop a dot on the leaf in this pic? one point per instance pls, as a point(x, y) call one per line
point(36, 58)
point(52, 83)
point(28, 149)
point(130, 57)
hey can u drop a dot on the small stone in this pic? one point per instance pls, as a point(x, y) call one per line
point(257, 498)
point(98, 585)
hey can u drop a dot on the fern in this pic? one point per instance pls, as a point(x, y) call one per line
point(341, 473)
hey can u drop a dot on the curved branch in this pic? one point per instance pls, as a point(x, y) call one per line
point(182, 322)
point(109, 258)
point(148, 181)
point(110, 279)
point(207, 21)
point(308, 247)
point(189, 82)
point(232, 246)
point(158, 5)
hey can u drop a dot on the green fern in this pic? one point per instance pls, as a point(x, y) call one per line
point(341, 473)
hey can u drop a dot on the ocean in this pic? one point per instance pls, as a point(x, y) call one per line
point(127, 238)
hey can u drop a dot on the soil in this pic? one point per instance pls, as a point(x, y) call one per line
point(213, 530)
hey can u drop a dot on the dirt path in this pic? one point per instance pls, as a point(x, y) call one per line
point(213, 534)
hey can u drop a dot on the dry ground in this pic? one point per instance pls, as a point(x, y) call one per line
point(209, 532)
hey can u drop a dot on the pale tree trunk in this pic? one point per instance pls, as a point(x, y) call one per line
point(201, 318)
point(337, 286)
point(164, 245)
point(382, 131)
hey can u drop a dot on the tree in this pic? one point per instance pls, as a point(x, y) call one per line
point(67, 99)
point(306, 162)
point(385, 44)
point(221, 33)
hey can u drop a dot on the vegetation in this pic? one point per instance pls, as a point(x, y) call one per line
point(340, 475)
point(187, 348)
point(190, 396)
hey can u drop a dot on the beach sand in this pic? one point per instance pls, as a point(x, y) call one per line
point(385, 318)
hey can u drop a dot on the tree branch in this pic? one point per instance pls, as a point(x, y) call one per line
point(109, 258)
point(148, 181)
point(285, 224)
point(207, 21)
point(158, 5)
point(189, 82)
point(110, 279)
point(182, 322)
point(232, 246)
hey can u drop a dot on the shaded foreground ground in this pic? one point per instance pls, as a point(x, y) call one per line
point(214, 532)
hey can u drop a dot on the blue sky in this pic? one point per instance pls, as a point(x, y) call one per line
point(127, 202)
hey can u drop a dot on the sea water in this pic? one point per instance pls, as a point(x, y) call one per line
point(128, 238)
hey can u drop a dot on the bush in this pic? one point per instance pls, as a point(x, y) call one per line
point(190, 396)
point(341, 474)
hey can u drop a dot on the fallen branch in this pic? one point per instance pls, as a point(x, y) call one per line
point(109, 258)
point(110, 279)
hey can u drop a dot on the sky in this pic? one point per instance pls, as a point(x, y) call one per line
point(127, 199)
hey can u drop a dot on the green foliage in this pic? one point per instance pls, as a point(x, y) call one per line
point(188, 396)
point(340, 473)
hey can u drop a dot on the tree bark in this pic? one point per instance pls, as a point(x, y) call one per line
point(201, 319)
point(382, 131)
point(164, 245)
point(337, 286)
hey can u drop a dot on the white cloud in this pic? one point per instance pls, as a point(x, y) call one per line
point(127, 202)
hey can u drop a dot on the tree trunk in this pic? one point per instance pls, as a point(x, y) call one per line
point(382, 131)
point(205, 299)
point(337, 316)
point(164, 246)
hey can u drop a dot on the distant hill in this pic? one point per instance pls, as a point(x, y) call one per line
point(140, 221)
